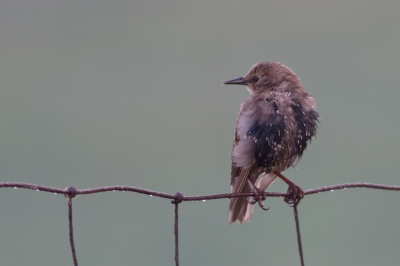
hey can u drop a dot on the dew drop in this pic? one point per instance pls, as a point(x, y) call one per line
point(331, 190)
point(37, 190)
point(204, 200)
point(151, 195)
point(55, 193)
point(15, 187)
point(113, 190)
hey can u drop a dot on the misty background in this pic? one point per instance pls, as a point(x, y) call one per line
point(98, 93)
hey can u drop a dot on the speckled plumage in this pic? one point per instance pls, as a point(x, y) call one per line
point(274, 126)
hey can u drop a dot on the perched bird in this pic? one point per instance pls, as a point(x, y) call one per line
point(273, 128)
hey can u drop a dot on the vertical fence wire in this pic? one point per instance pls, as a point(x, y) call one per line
point(70, 192)
point(176, 201)
point(176, 236)
point(71, 232)
point(296, 218)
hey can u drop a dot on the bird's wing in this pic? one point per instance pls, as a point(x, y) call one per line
point(235, 171)
point(238, 206)
point(259, 131)
point(239, 176)
point(259, 137)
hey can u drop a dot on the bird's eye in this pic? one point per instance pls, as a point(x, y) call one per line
point(255, 79)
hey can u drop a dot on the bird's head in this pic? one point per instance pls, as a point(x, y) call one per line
point(268, 76)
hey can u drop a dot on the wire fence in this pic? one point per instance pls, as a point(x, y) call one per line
point(178, 198)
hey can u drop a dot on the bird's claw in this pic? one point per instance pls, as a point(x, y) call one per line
point(296, 193)
point(259, 197)
point(261, 204)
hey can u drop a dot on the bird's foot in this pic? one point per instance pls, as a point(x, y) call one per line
point(296, 194)
point(259, 198)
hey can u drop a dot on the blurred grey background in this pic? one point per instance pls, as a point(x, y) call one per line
point(96, 93)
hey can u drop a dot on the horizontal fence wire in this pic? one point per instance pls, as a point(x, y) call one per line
point(177, 198)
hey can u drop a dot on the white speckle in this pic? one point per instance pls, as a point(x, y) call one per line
point(277, 111)
point(259, 154)
point(285, 116)
point(345, 188)
point(15, 187)
point(203, 200)
point(37, 190)
point(331, 190)
point(55, 193)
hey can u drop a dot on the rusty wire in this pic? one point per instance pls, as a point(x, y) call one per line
point(71, 192)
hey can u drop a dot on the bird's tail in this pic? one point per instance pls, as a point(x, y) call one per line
point(239, 208)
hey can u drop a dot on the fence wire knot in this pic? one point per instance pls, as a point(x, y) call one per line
point(70, 192)
point(178, 198)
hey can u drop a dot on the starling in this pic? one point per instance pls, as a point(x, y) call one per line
point(273, 128)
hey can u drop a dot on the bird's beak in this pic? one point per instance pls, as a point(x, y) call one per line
point(238, 81)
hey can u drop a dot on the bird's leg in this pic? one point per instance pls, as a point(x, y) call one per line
point(296, 192)
point(260, 197)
